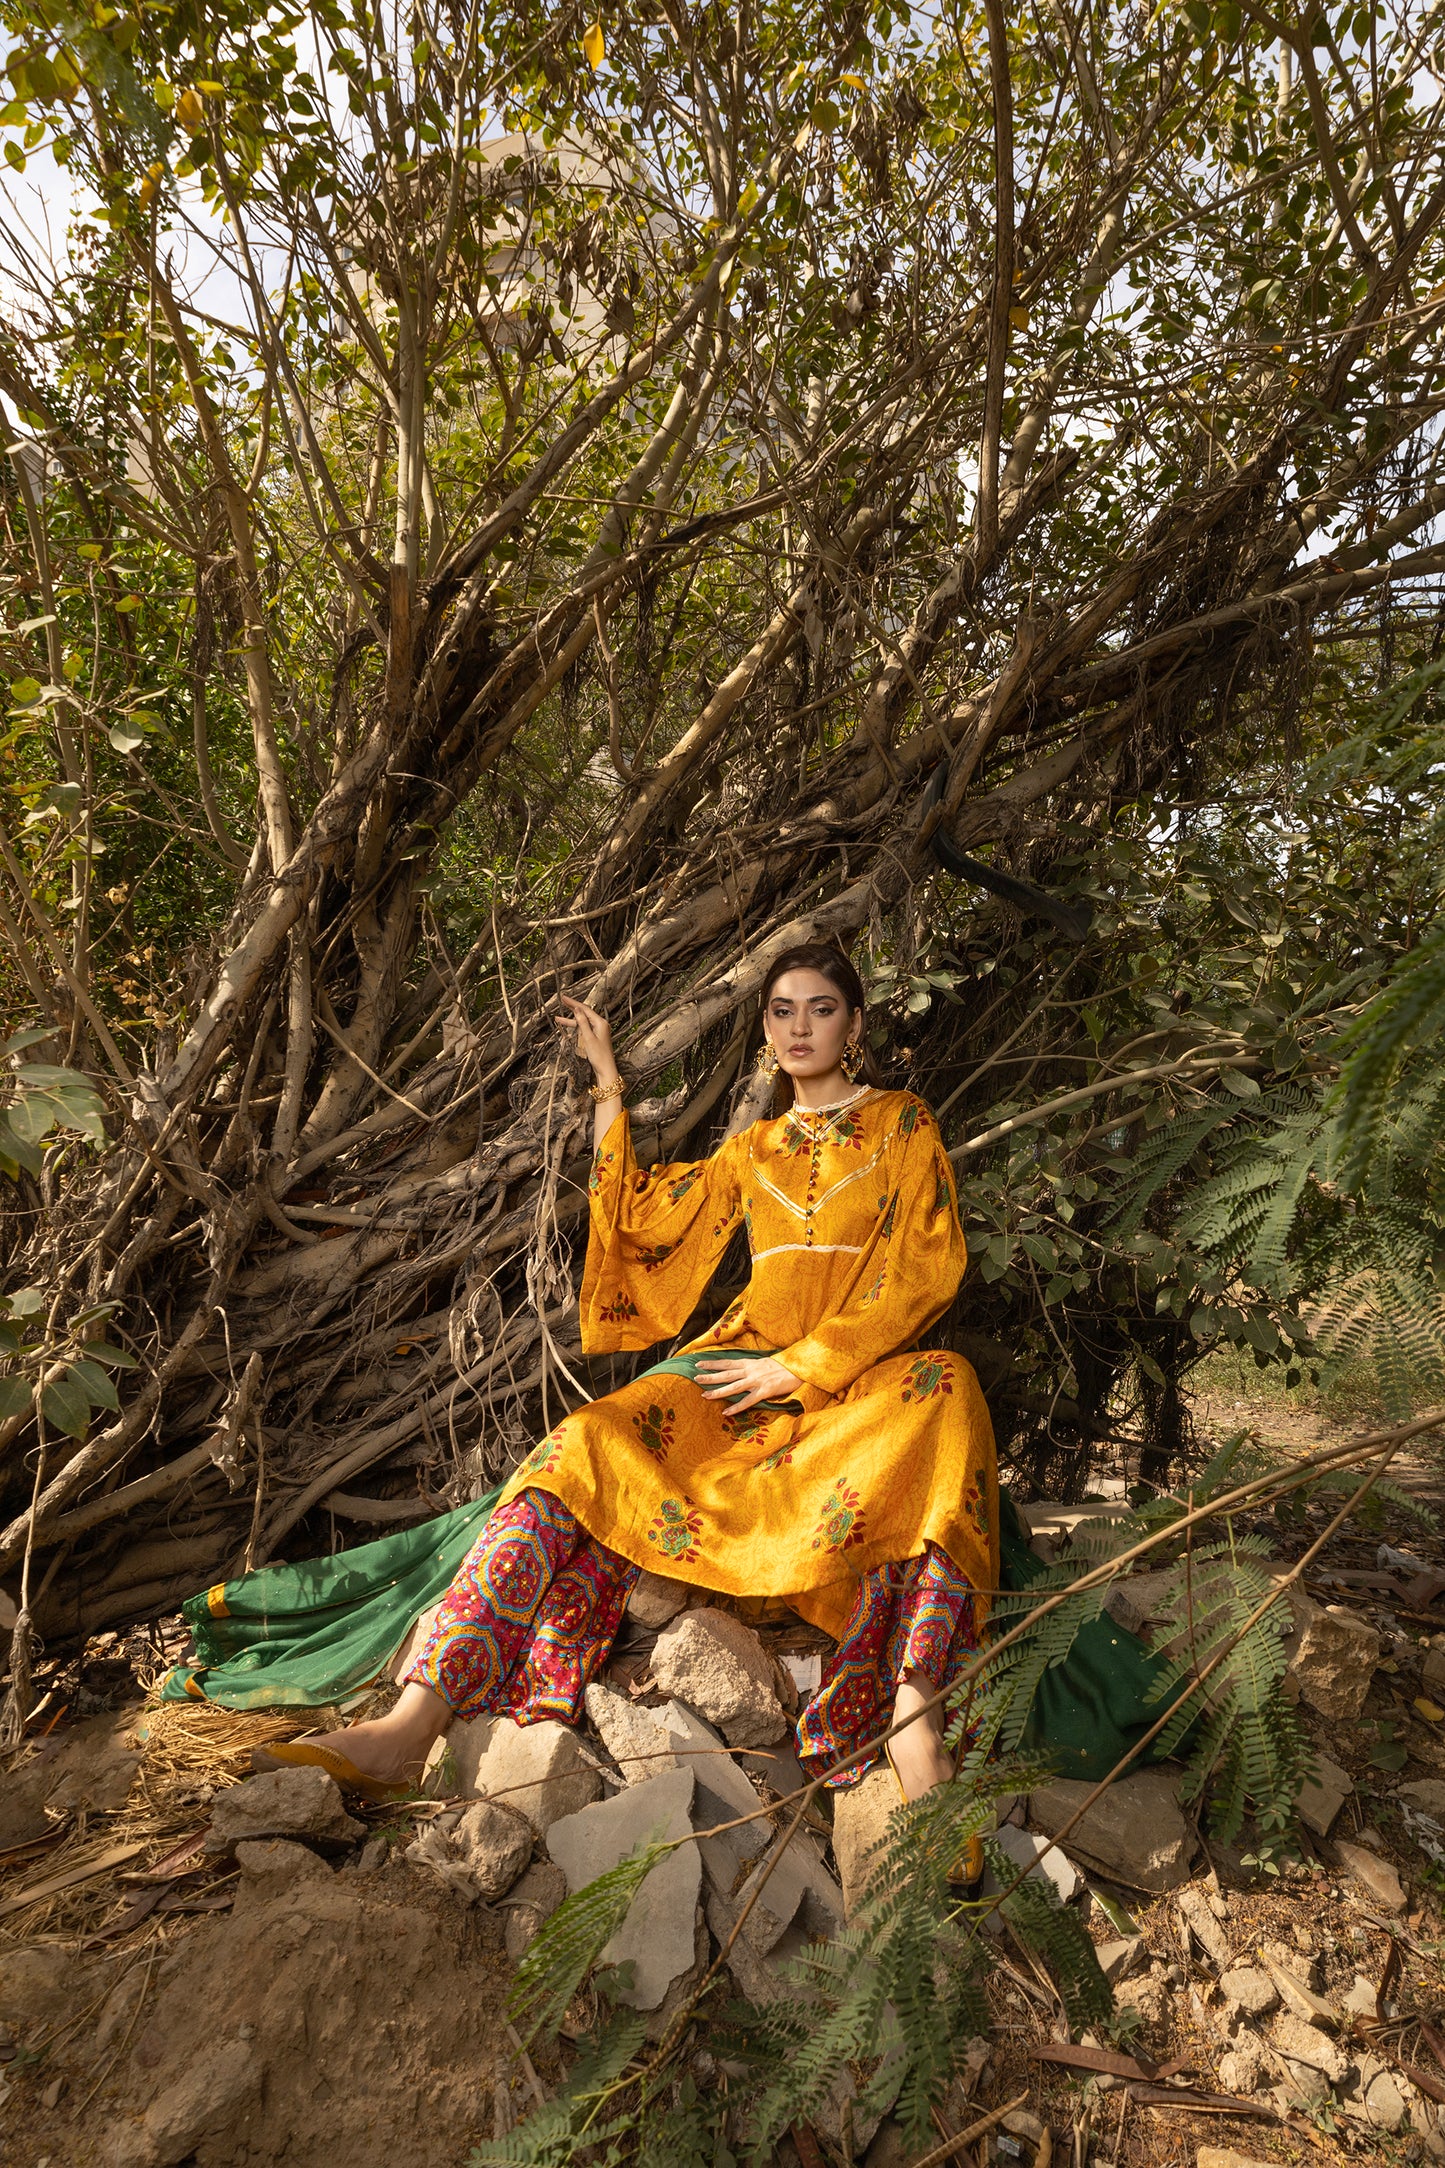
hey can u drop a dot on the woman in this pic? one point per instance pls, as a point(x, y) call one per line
point(794, 1449)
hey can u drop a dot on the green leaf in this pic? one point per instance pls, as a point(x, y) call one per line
point(15, 1397)
point(115, 1358)
point(26, 1302)
point(94, 1383)
point(1240, 1082)
point(16, 1150)
point(33, 1115)
point(19, 1040)
point(65, 1406)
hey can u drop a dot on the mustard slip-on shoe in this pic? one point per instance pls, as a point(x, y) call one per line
point(966, 1873)
point(312, 1754)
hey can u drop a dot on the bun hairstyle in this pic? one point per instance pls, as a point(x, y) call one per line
point(830, 963)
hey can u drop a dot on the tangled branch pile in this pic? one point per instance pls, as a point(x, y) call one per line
point(447, 566)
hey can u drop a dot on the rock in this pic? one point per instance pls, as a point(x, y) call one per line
point(1360, 2001)
point(1332, 1658)
point(1135, 1830)
point(542, 1769)
point(42, 1984)
point(1314, 2061)
point(1249, 1989)
point(722, 1794)
point(495, 1841)
point(657, 1936)
point(1150, 1997)
point(1376, 2096)
point(890, 2149)
point(654, 1600)
point(860, 1824)
point(1116, 1957)
point(1299, 1996)
point(1376, 1876)
point(1224, 2156)
point(717, 1665)
point(632, 1733)
point(1427, 1796)
point(273, 1863)
point(1322, 1795)
point(1136, 1602)
point(530, 1903)
point(1432, 1672)
point(1041, 1858)
point(464, 1744)
point(282, 1803)
point(1198, 1916)
point(793, 1887)
point(217, 2093)
point(1242, 2068)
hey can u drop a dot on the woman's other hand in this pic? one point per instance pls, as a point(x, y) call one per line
point(744, 1384)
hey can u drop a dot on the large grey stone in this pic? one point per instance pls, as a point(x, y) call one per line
point(632, 1733)
point(542, 1769)
point(531, 1902)
point(1376, 1876)
point(654, 1599)
point(717, 1665)
point(789, 1886)
point(1135, 1831)
point(496, 1843)
point(1322, 1795)
point(1332, 1658)
point(282, 1803)
point(460, 1751)
point(1432, 1672)
point(860, 1825)
point(657, 1936)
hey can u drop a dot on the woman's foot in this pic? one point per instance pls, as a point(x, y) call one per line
point(392, 1749)
point(917, 1752)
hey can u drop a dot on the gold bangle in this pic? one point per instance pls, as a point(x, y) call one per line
point(599, 1092)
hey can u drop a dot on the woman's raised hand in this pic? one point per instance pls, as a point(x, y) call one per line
point(594, 1037)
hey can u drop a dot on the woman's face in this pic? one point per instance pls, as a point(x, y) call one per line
point(809, 1023)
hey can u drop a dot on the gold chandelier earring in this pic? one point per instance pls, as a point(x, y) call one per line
point(852, 1060)
point(767, 1060)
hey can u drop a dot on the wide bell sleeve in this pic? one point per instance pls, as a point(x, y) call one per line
point(908, 1273)
point(654, 1240)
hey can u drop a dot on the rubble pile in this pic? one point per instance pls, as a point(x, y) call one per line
point(347, 1999)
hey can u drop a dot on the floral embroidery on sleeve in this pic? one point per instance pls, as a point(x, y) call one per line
point(874, 1288)
point(927, 1375)
point(942, 1187)
point(657, 1254)
point(657, 1428)
point(619, 1309)
point(675, 1531)
point(840, 1524)
point(975, 1505)
point(677, 1190)
point(600, 1158)
point(746, 1422)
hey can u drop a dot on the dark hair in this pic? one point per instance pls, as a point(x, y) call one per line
point(831, 964)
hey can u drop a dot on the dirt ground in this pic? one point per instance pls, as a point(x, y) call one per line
point(357, 2015)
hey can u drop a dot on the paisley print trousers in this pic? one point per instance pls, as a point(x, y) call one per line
point(537, 1603)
